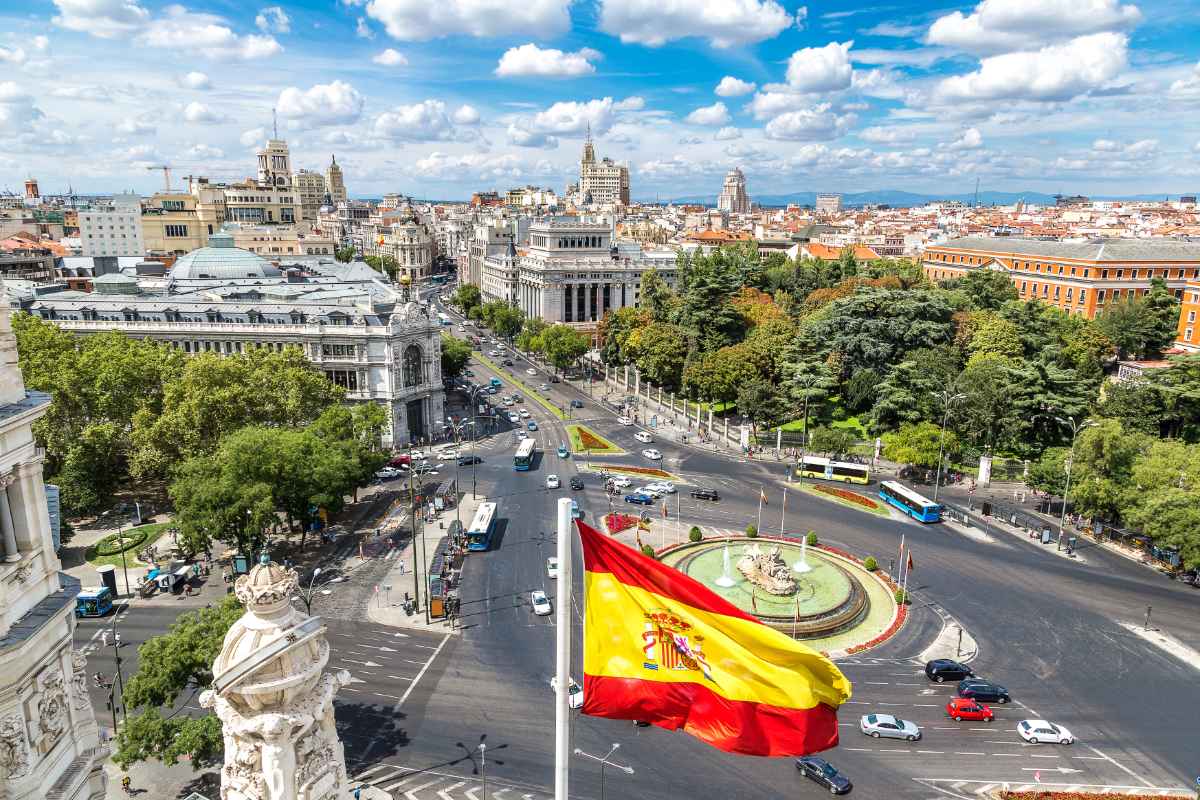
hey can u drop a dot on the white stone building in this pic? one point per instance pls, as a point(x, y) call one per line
point(602, 183)
point(829, 203)
point(733, 198)
point(334, 183)
point(310, 188)
point(112, 229)
point(49, 739)
point(348, 320)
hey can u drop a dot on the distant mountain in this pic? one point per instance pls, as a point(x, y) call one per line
point(901, 199)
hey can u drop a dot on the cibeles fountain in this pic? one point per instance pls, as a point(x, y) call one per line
point(274, 697)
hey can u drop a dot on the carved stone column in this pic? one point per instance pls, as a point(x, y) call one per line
point(11, 553)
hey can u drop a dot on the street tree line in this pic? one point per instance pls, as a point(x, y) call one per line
point(561, 345)
point(126, 409)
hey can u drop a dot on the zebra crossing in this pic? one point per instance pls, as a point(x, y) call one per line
point(969, 790)
point(410, 784)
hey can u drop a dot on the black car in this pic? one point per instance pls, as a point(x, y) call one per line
point(555, 379)
point(983, 691)
point(576, 404)
point(507, 362)
point(822, 772)
point(466, 461)
point(941, 670)
point(577, 483)
point(706, 494)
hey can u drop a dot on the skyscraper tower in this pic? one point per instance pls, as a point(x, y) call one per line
point(333, 182)
point(275, 164)
point(733, 198)
point(589, 153)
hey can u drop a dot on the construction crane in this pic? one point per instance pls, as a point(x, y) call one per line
point(166, 169)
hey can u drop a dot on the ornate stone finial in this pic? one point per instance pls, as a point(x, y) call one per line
point(265, 591)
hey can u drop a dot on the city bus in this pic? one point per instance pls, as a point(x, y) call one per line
point(817, 467)
point(523, 460)
point(916, 506)
point(479, 535)
point(443, 318)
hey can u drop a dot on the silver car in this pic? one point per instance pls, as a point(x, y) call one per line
point(889, 727)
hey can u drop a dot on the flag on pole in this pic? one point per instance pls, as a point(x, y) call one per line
point(909, 567)
point(762, 496)
point(661, 647)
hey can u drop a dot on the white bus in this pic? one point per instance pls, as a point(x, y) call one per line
point(523, 460)
point(479, 535)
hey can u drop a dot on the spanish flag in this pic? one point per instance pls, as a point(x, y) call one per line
point(662, 648)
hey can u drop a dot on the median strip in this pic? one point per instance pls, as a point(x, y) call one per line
point(542, 401)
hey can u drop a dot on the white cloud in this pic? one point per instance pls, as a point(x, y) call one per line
point(141, 154)
point(821, 69)
point(891, 29)
point(1186, 88)
point(997, 26)
point(195, 80)
point(574, 117)
point(185, 31)
point(1106, 145)
point(685, 140)
point(631, 103)
point(531, 60)
point(716, 114)
point(362, 30)
point(727, 133)
point(17, 108)
point(881, 83)
point(205, 151)
point(198, 112)
point(1055, 72)
point(107, 19)
point(135, 127)
point(887, 135)
point(476, 166)
point(1143, 148)
point(522, 137)
point(417, 20)
point(273, 19)
point(917, 57)
point(336, 103)
point(816, 124)
point(970, 140)
point(253, 137)
point(391, 58)
point(768, 104)
point(14, 55)
point(466, 115)
point(426, 121)
point(725, 23)
point(733, 87)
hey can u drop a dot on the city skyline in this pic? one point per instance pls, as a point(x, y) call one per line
point(440, 104)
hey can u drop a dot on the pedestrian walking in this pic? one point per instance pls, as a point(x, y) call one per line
point(126, 785)
point(402, 569)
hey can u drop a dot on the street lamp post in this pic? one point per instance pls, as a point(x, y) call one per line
point(1075, 429)
point(804, 434)
point(947, 400)
point(307, 594)
point(604, 762)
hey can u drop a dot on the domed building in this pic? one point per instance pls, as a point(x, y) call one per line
point(222, 261)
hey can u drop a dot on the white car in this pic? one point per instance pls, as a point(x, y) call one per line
point(1036, 731)
point(531, 371)
point(552, 567)
point(644, 437)
point(545, 387)
point(624, 421)
point(648, 490)
point(662, 487)
point(574, 692)
point(889, 727)
point(552, 482)
point(540, 603)
point(622, 483)
point(513, 418)
point(387, 473)
point(522, 435)
point(524, 414)
point(652, 454)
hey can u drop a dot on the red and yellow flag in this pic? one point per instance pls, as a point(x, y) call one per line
point(662, 648)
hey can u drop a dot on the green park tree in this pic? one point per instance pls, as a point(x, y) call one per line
point(919, 444)
point(170, 665)
point(830, 441)
point(659, 349)
point(615, 330)
point(1101, 475)
point(1049, 473)
point(456, 354)
point(530, 337)
point(563, 345)
point(986, 289)
point(344, 254)
point(1171, 517)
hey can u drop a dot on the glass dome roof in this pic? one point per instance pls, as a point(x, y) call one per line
point(221, 260)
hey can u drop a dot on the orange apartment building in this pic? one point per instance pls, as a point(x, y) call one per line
point(1189, 318)
point(1078, 277)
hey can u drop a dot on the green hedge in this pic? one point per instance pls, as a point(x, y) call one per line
point(116, 543)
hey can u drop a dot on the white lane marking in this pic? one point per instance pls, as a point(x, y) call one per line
point(1035, 755)
point(933, 752)
point(859, 749)
point(367, 772)
point(445, 793)
point(876, 683)
point(399, 678)
point(1119, 766)
point(1006, 755)
point(421, 674)
point(411, 793)
point(969, 754)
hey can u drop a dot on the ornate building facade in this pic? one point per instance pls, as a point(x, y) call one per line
point(49, 739)
point(602, 182)
point(733, 198)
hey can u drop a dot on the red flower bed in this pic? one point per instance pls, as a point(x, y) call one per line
point(590, 442)
point(619, 522)
point(846, 494)
point(883, 637)
point(651, 471)
point(1045, 795)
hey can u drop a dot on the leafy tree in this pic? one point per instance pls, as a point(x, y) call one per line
point(530, 337)
point(505, 320)
point(658, 350)
point(996, 393)
point(919, 444)
point(1087, 349)
point(860, 391)
point(385, 263)
point(455, 355)
point(1139, 405)
point(344, 254)
point(216, 394)
point(563, 345)
point(1049, 473)
point(1171, 516)
point(806, 379)
point(1178, 389)
point(91, 469)
point(762, 404)
point(1101, 476)
point(1167, 462)
point(656, 297)
point(168, 665)
point(1141, 327)
point(467, 297)
point(908, 391)
point(831, 441)
point(718, 376)
point(997, 335)
point(986, 289)
point(615, 330)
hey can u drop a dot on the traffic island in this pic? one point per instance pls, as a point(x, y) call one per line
point(519, 384)
point(123, 547)
point(844, 497)
point(585, 440)
point(641, 473)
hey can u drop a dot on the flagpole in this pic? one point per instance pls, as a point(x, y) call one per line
point(900, 574)
point(562, 672)
point(783, 511)
point(758, 527)
point(904, 587)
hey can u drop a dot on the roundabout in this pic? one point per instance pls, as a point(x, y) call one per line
point(825, 599)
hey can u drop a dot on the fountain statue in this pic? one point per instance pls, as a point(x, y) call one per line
point(802, 566)
point(726, 580)
point(767, 571)
point(274, 698)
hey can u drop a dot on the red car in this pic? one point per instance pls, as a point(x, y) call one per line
point(960, 708)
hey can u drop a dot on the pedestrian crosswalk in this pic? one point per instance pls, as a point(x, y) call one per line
point(410, 784)
point(969, 789)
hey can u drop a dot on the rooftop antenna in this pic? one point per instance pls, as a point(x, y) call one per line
point(274, 125)
point(977, 191)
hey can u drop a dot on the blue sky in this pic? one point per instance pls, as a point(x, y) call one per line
point(437, 98)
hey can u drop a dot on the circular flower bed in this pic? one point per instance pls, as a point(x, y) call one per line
point(116, 543)
point(615, 523)
point(846, 494)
